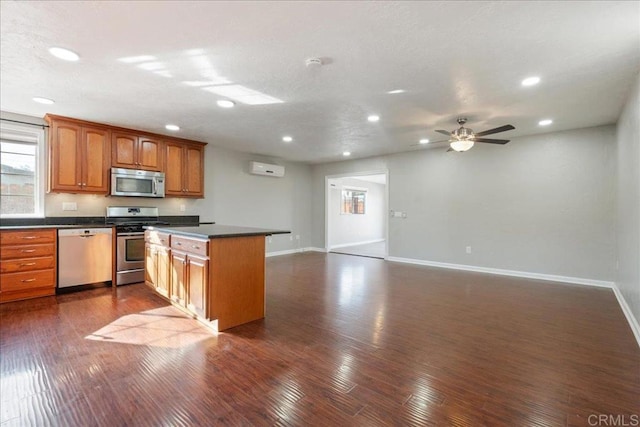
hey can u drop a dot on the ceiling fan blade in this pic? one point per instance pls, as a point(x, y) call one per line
point(495, 130)
point(444, 132)
point(491, 141)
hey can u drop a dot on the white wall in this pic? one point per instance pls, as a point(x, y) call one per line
point(628, 206)
point(541, 204)
point(353, 229)
point(232, 196)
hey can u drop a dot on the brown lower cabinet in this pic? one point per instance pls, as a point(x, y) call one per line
point(177, 274)
point(27, 264)
point(220, 280)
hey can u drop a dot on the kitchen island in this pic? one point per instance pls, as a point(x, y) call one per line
point(214, 272)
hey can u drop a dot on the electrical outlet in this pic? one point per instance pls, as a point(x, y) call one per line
point(404, 214)
point(468, 249)
point(182, 208)
point(69, 206)
point(398, 214)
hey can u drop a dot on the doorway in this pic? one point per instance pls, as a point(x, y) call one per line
point(356, 214)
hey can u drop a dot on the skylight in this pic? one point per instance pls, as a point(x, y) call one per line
point(243, 94)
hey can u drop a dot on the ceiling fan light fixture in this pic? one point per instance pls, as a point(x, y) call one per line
point(461, 145)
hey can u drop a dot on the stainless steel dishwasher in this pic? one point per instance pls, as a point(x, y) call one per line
point(84, 256)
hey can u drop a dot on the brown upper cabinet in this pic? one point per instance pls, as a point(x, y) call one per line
point(79, 157)
point(136, 152)
point(81, 154)
point(184, 170)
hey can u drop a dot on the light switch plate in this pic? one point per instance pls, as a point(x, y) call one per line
point(69, 206)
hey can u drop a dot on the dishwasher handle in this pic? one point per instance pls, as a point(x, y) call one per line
point(83, 232)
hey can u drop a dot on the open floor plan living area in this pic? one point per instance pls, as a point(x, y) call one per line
point(348, 213)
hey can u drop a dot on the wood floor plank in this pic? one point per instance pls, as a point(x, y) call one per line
point(346, 341)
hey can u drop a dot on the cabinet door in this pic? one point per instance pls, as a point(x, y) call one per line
point(197, 275)
point(65, 157)
point(149, 154)
point(95, 160)
point(173, 170)
point(150, 265)
point(123, 150)
point(163, 277)
point(178, 286)
point(194, 171)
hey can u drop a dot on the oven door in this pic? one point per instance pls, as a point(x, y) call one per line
point(130, 251)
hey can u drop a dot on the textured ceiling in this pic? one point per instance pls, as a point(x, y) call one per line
point(451, 58)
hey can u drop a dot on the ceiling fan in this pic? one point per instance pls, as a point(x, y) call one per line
point(463, 139)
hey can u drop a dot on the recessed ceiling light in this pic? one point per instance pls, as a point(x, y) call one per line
point(396, 91)
point(545, 122)
point(65, 54)
point(346, 153)
point(424, 141)
point(373, 118)
point(172, 127)
point(287, 139)
point(44, 100)
point(225, 103)
point(531, 81)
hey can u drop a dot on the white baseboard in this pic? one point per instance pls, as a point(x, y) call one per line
point(502, 272)
point(285, 252)
point(312, 249)
point(294, 251)
point(346, 245)
point(633, 322)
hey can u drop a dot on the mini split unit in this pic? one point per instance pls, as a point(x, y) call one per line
point(257, 168)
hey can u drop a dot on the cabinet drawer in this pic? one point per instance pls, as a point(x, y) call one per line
point(26, 251)
point(28, 280)
point(27, 237)
point(28, 264)
point(193, 246)
point(157, 238)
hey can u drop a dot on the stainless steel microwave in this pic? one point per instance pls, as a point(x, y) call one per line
point(136, 183)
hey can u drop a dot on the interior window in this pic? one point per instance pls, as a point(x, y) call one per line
point(353, 202)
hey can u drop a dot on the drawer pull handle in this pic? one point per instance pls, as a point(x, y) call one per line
point(28, 280)
point(26, 251)
point(26, 264)
point(195, 246)
point(29, 237)
point(178, 244)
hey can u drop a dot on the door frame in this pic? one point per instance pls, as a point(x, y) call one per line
point(327, 246)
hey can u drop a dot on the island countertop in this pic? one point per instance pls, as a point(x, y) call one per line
point(216, 231)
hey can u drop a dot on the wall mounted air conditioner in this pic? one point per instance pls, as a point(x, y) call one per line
point(258, 168)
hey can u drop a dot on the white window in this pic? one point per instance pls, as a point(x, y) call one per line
point(353, 201)
point(22, 172)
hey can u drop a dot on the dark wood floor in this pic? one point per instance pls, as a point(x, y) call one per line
point(347, 341)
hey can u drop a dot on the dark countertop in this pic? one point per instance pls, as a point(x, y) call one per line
point(43, 226)
point(85, 222)
point(215, 231)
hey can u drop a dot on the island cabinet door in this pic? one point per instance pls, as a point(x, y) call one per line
point(197, 274)
point(150, 265)
point(163, 278)
point(178, 288)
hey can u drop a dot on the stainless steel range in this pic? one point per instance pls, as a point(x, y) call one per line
point(129, 222)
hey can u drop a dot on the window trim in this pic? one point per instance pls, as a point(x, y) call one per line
point(26, 133)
